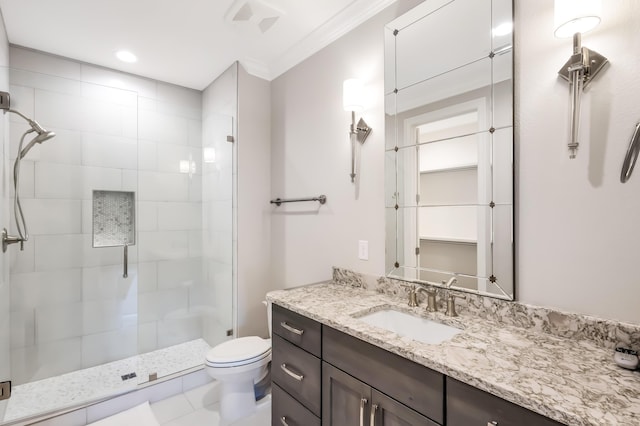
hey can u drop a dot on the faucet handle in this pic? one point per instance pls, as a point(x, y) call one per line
point(413, 298)
point(451, 304)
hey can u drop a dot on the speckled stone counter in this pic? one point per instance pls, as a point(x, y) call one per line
point(571, 380)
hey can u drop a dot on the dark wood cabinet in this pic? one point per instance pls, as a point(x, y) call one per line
point(287, 410)
point(468, 406)
point(346, 401)
point(296, 370)
point(297, 329)
point(411, 384)
point(323, 376)
point(389, 412)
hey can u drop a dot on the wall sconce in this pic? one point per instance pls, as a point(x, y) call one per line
point(352, 100)
point(572, 18)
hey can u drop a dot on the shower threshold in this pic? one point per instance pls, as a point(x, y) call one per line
point(93, 384)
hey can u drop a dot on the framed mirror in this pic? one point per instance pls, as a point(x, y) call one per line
point(449, 146)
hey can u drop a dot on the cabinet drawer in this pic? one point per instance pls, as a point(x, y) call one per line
point(297, 372)
point(467, 405)
point(297, 329)
point(286, 410)
point(411, 384)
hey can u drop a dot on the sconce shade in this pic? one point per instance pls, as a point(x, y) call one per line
point(576, 16)
point(352, 94)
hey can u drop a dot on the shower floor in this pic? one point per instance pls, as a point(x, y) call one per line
point(95, 383)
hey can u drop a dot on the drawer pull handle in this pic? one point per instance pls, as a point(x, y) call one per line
point(363, 402)
point(374, 411)
point(296, 376)
point(291, 329)
point(283, 420)
point(492, 423)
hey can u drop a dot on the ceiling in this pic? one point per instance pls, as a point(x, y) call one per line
point(186, 42)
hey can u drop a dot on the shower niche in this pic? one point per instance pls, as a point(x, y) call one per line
point(114, 222)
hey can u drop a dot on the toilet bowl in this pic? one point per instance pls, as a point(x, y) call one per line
point(238, 365)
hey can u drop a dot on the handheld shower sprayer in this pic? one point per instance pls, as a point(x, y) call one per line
point(41, 136)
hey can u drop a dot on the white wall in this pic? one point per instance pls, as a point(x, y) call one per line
point(311, 156)
point(578, 227)
point(578, 231)
point(254, 219)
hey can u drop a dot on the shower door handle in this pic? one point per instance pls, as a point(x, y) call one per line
point(125, 273)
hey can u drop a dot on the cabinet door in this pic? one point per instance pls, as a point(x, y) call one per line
point(345, 399)
point(409, 383)
point(388, 412)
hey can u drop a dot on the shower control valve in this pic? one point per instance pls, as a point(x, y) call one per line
point(7, 240)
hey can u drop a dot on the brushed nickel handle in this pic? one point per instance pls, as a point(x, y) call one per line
point(374, 411)
point(363, 402)
point(283, 420)
point(296, 376)
point(125, 273)
point(291, 329)
point(492, 423)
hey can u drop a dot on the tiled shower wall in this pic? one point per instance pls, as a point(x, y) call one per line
point(5, 323)
point(70, 306)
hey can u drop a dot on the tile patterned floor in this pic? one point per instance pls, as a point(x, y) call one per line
point(199, 407)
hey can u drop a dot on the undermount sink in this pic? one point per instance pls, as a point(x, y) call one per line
point(411, 326)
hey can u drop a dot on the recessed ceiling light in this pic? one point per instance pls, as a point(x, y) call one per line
point(126, 56)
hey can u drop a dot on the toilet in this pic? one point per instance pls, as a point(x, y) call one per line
point(239, 365)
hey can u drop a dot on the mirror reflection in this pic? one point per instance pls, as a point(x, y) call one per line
point(449, 143)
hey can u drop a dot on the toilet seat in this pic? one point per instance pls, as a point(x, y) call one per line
point(239, 352)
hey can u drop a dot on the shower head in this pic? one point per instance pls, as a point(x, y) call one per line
point(36, 126)
point(41, 137)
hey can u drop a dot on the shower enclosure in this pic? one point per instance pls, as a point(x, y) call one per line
point(73, 315)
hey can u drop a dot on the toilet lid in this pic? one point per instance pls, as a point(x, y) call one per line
point(234, 351)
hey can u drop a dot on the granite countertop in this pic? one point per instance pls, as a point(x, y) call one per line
point(573, 381)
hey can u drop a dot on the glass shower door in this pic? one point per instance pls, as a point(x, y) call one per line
point(218, 226)
point(71, 308)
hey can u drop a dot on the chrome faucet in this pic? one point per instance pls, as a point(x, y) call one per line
point(451, 298)
point(448, 284)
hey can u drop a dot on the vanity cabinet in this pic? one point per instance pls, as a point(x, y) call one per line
point(295, 369)
point(411, 384)
point(467, 405)
point(322, 376)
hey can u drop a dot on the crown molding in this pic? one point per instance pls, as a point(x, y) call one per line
point(340, 24)
point(256, 68)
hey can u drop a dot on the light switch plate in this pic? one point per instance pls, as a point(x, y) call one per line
point(363, 250)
